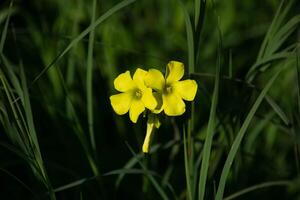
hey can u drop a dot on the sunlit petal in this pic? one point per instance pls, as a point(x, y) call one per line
point(136, 108)
point(155, 80)
point(173, 104)
point(175, 71)
point(187, 89)
point(138, 78)
point(124, 82)
point(148, 99)
point(121, 102)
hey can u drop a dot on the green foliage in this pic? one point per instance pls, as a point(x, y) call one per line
point(60, 139)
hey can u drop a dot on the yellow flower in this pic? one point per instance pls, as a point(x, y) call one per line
point(135, 95)
point(170, 90)
point(153, 123)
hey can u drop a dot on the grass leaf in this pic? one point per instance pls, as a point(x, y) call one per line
point(236, 144)
point(211, 126)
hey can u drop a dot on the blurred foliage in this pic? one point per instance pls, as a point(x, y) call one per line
point(148, 34)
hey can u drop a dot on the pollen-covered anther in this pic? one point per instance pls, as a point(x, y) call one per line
point(138, 94)
point(168, 89)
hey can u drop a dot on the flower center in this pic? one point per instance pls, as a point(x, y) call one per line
point(137, 94)
point(168, 89)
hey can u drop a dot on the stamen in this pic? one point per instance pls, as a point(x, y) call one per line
point(168, 89)
point(138, 94)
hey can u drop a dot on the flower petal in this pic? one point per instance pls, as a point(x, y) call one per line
point(124, 82)
point(187, 89)
point(136, 108)
point(148, 137)
point(153, 123)
point(175, 71)
point(121, 102)
point(138, 78)
point(148, 99)
point(159, 106)
point(155, 80)
point(173, 104)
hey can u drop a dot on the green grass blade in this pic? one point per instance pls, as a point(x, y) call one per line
point(133, 161)
point(29, 116)
point(19, 181)
point(21, 124)
point(236, 144)
point(187, 169)
point(278, 110)
point(89, 81)
point(197, 12)
point(79, 130)
point(284, 33)
point(230, 65)
point(4, 32)
point(159, 189)
point(270, 31)
point(298, 78)
point(130, 171)
point(98, 21)
point(73, 184)
point(257, 187)
point(190, 40)
point(269, 59)
point(210, 128)
point(191, 69)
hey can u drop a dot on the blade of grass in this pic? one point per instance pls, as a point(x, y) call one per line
point(130, 171)
point(20, 124)
point(230, 64)
point(200, 9)
point(283, 33)
point(150, 177)
point(190, 39)
point(191, 69)
point(187, 168)
point(257, 187)
point(79, 130)
point(89, 81)
point(19, 181)
point(4, 32)
point(30, 124)
point(132, 162)
point(298, 77)
point(236, 144)
point(270, 59)
point(98, 21)
point(197, 12)
point(278, 110)
point(211, 126)
point(73, 184)
point(270, 31)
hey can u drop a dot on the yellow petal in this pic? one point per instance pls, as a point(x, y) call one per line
point(124, 82)
point(147, 140)
point(159, 106)
point(187, 89)
point(155, 80)
point(138, 78)
point(175, 71)
point(121, 102)
point(148, 99)
point(152, 123)
point(173, 104)
point(136, 108)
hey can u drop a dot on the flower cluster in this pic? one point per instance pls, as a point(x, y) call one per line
point(152, 91)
